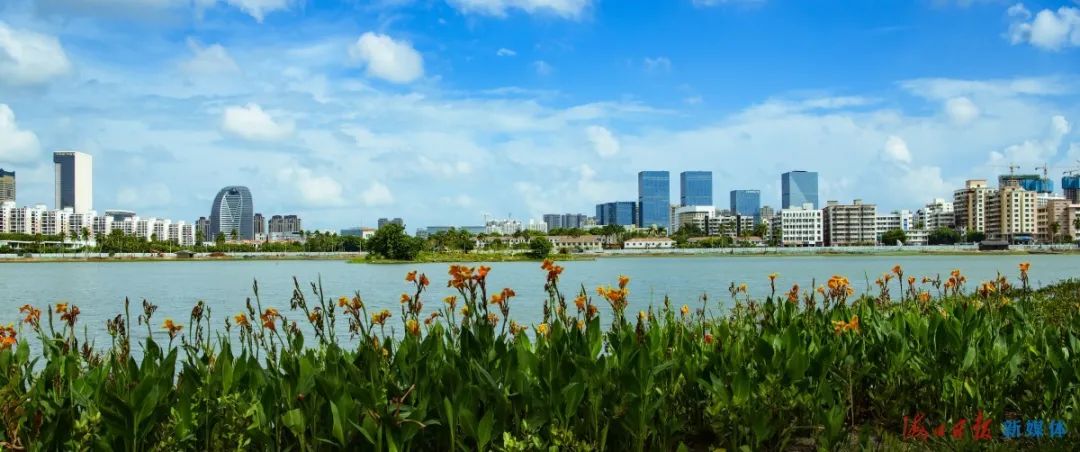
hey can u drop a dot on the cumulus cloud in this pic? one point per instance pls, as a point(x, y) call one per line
point(1034, 151)
point(443, 169)
point(961, 110)
point(658, 64)
point(259, 8)
point(377, 194)
point(603, 141)
point(30, 58)
point(542, 67)
point(1047, 29)
point(896, 150)
point(568, 9)
point(504, 52)
point(250, 122)
point(386, 58)
point(314, 189)
point(458, 201)
point(16, 145)
point(208, 60)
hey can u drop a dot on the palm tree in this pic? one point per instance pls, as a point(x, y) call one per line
point(234, 234)
point(1054, 228)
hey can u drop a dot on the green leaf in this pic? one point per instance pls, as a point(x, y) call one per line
point(483, 433)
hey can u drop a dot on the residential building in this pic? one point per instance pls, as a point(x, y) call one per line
point(622, 213)
point(641, 243)
point(1051, 215)
point(654, 199)
point(1011, 213)
point(508, 241)
point(969, 206)
point(1029, 182)
point(937, 214)
point(537, 226)
point(102, 226)
point(259, 224)
point(74, 181)
point(746, 203)
point(695, 188)
point(798, 188)
point(232, 211)
point(703, 217)
point(578, 244)
point(284, 224)
point(553, 221)
point(504, 227)
point(7, 185)
point(385, 221)
point(850, 224)
point(801, 226)
point(903, 220)
point(181, 233)
point(766, 212)
point(55, 222)
point(917, 237)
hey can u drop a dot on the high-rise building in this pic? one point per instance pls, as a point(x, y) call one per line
point(285, 224)
point(74, 181)
point(695, 188)
point(969, 206)
point(203, 225)
point(766, 213)
point(1011, 213)
point(1029, 182)
point(622, 213)
point(232, 211)
point(1071, 185)
point(849, 224)
point(119, 215)
point(553, 220)
point(746, 203)
point(937, 214)
point(7, 185)
point(798, 188)
point(260, 225)
point(654, 199)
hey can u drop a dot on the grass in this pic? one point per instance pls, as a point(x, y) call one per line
point(813, 368)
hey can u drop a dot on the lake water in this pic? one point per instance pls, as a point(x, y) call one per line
point(99, 288)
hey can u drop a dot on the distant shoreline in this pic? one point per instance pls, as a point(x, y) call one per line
point(361, 258)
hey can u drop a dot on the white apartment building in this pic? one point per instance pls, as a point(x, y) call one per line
point(504, 227)
point(969, 206)
point(180, 233)
point(801, 226)
point(55, 222)
point(643, 243)
point(937, 214)
point(903, 220)
point(101, 226)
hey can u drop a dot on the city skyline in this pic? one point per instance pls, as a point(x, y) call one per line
point(533, 97)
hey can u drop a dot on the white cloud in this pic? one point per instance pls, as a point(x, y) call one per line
point(568, 9)
point(694, 100)
point(314, 189)
point(504, 52)
point(250, 122)
point(259, 8)
point(444, 169)
point(16, 145)
point(462, 200)
point(212, 59)
point(1034, 151)
point(377, 194)
point(1048, 30)
point(391, 60)
point(145, 196)
point(30, 58)
point(961, 110)
point(658, 64)
point(603, 141)
point(896, 150)
point(542, 67)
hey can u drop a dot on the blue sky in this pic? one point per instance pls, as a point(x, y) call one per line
point(442, 110)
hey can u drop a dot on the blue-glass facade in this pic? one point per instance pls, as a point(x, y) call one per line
point(746, 203)
point(798, 188)
point(695, 188)
point(1029, 182)
point(622, 213)
point(654, 199)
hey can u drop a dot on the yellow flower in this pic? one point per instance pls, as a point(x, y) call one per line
point(241, 320)
point(542, 329)
point(412, 327)
point(684, 310)
point(172, 327)
point(642, 315)
point(772, 276)
point(342, 301)
point(580, 302)
point(61, 308)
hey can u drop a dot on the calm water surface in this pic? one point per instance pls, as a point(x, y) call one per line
point(99, 289)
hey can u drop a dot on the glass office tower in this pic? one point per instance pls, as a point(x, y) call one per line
point(798, 188)
point(695, 188)
point(654, 199)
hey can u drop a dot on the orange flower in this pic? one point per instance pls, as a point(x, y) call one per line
point(379, 318)
point(413, 327)
point(580, 302)
point(315, 316)
point(450, 301)
point(897, 270)
point(424, 280)
point(411, 276)
point(241, 320)
point(1024, 266)
point(793, 294)
point(405, 298)
point(708, 338)
point(772, 276)
point(623, 281)
point(172, 327)
point(497, 299)
point(493, 319)
point(268, 318)
point(684, 310)
point(70, 314)
point(482, 272)
point(33, 315)
point(342, 301)
point(8, 337)
point(911, 280)
point(924, 297)
point(591, 311)
point(61, 308)
point(840, 326)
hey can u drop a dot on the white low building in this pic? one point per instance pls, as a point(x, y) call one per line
point(581, 243)
point(801, 226)
point(643, 243)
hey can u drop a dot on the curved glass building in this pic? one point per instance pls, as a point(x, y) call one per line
point(232, 210)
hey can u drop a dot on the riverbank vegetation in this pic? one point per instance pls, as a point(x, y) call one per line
point(808, 367)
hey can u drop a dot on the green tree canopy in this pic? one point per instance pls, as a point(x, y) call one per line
point(391, 242)
point(892, 236)
point(539, 248)
point(943, 236)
